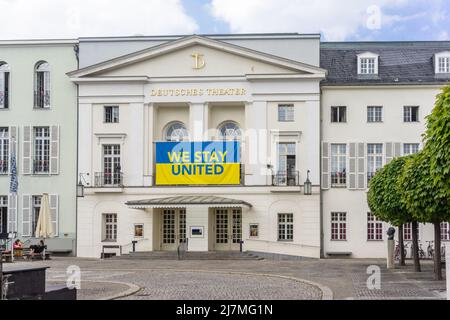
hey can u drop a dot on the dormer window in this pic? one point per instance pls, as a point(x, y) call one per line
point(442, 62)
point(367, 63)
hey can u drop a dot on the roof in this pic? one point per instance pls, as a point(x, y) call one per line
point(182, 201)
point(399, 62)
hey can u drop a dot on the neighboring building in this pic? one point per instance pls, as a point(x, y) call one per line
point(38, 119)
point(236, 89)
point(373, 108)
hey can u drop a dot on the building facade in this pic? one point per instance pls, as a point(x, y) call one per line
point(38, 124)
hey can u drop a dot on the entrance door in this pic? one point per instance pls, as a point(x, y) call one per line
point(228, 225)
point(173, 228)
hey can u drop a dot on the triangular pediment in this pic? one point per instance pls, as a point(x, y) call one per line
point(196, 56)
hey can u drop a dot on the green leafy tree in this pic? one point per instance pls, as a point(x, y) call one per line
point(384, 199)
point(423, 200)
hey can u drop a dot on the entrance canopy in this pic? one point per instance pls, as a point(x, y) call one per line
point(184, 201)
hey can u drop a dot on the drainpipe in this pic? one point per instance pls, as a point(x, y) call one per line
point(76, 50)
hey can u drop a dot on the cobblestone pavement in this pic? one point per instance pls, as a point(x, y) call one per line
point(163, 279)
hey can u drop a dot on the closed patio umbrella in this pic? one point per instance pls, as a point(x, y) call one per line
point(44, 228)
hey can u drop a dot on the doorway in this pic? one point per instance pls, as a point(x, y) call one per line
point(228, 229)
point(173, 228)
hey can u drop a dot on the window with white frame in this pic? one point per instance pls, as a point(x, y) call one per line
point(176, 131)
point(374, 159)
point(410, 148)
point(374, 227)
point(4, 85)
point(110, 227)
point(338, 226)
point(111, 114)
point(443, 64)
point(338, 164)
point(285, 227)
point(411, 114)
point(111, 165)
point(285, 112)
point(41, 149)
point(407, 231)
point(339, 114)
point(367, 65)
point(287, 173)
point(42, 85)
point(36, 207)
point(229, 130)
point(3, 214)
point(445, 228)
point(374, 114)
point(4, 150)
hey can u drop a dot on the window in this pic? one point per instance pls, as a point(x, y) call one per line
point(110, 227)
point(445, 228)
point(374, 227)
point(41, 161)
point(444, 64)
point(374, 159)
point(407, 231)
point(4, 85)
point(285, 112)
point(285, 227)
point(338, 164)
point(4, 150)
point(139, 230)
point(42, 85)
point(36, 207)
point(338, 226)
point(410, 114)
point(287, 174)
point(111, 165)
point(3, 214)
point(374, 114)
point(338, 114)
point(410, 148)
point(111, 114)
point(176, 131)
point(229, 131)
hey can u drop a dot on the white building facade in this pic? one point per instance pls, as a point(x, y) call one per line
point(329, 113)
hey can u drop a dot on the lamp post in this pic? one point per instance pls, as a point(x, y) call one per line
point(307, 189)
point(80, 185)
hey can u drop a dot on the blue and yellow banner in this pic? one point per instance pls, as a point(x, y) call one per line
point(198, 163)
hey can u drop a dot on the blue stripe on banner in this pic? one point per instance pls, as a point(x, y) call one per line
point(198, 152)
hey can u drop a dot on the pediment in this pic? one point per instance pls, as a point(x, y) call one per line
point(196, 57)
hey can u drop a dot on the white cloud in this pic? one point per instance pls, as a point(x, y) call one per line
point(73, 18)
point(336, 19)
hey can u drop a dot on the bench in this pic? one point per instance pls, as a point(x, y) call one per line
point(339, 254)
point(108, 255)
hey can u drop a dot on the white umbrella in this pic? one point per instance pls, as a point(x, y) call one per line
point(44, 228)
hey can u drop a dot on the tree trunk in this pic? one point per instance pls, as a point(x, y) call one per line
point(415, 245)
point(437, 251)
point(401, 244)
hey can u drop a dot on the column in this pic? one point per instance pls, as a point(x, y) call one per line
point(198, 120)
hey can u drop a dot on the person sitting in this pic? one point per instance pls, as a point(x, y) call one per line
point(18, 248)
point(37, 248)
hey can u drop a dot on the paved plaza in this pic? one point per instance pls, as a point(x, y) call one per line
point(243, 280)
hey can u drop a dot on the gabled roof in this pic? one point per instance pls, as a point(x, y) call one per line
point(399, 62)
point(185, 42)
point(182, 201)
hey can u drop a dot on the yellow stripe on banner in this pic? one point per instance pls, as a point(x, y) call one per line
point(198, 174)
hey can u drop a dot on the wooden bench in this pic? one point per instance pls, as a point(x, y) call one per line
point(110, 254)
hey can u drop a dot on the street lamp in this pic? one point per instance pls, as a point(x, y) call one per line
point(307, 189)
point(80, 185)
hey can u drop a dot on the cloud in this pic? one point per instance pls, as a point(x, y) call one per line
point(337, 20)
point(73, 18)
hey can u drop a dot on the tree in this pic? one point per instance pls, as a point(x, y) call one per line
point(420, 197)
point(437, 148)
point(384, 199)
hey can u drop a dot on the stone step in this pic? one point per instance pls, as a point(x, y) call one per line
point(171, 255)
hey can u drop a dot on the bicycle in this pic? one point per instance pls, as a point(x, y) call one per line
point(421, 252)
point(430, 250)
point(4, 290)
point(397, 251)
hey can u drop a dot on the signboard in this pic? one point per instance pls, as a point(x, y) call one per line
point(198, 163)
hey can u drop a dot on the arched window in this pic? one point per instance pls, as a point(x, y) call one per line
point(229, 130)
point(4, 85)
point(176, 131)
point(42, 85)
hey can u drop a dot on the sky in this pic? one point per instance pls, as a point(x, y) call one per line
point(335, 20)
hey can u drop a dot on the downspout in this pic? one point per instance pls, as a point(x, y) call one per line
point(76, 49)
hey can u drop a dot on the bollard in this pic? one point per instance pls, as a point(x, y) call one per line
point(240, 245)
point(134, 245)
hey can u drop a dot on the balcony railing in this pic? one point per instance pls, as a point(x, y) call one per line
point(41, 99)
point(41, 166)
point(286, 178)
point(338, 179)
point(4, 99)
point(3, 167)
point(108, 179)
